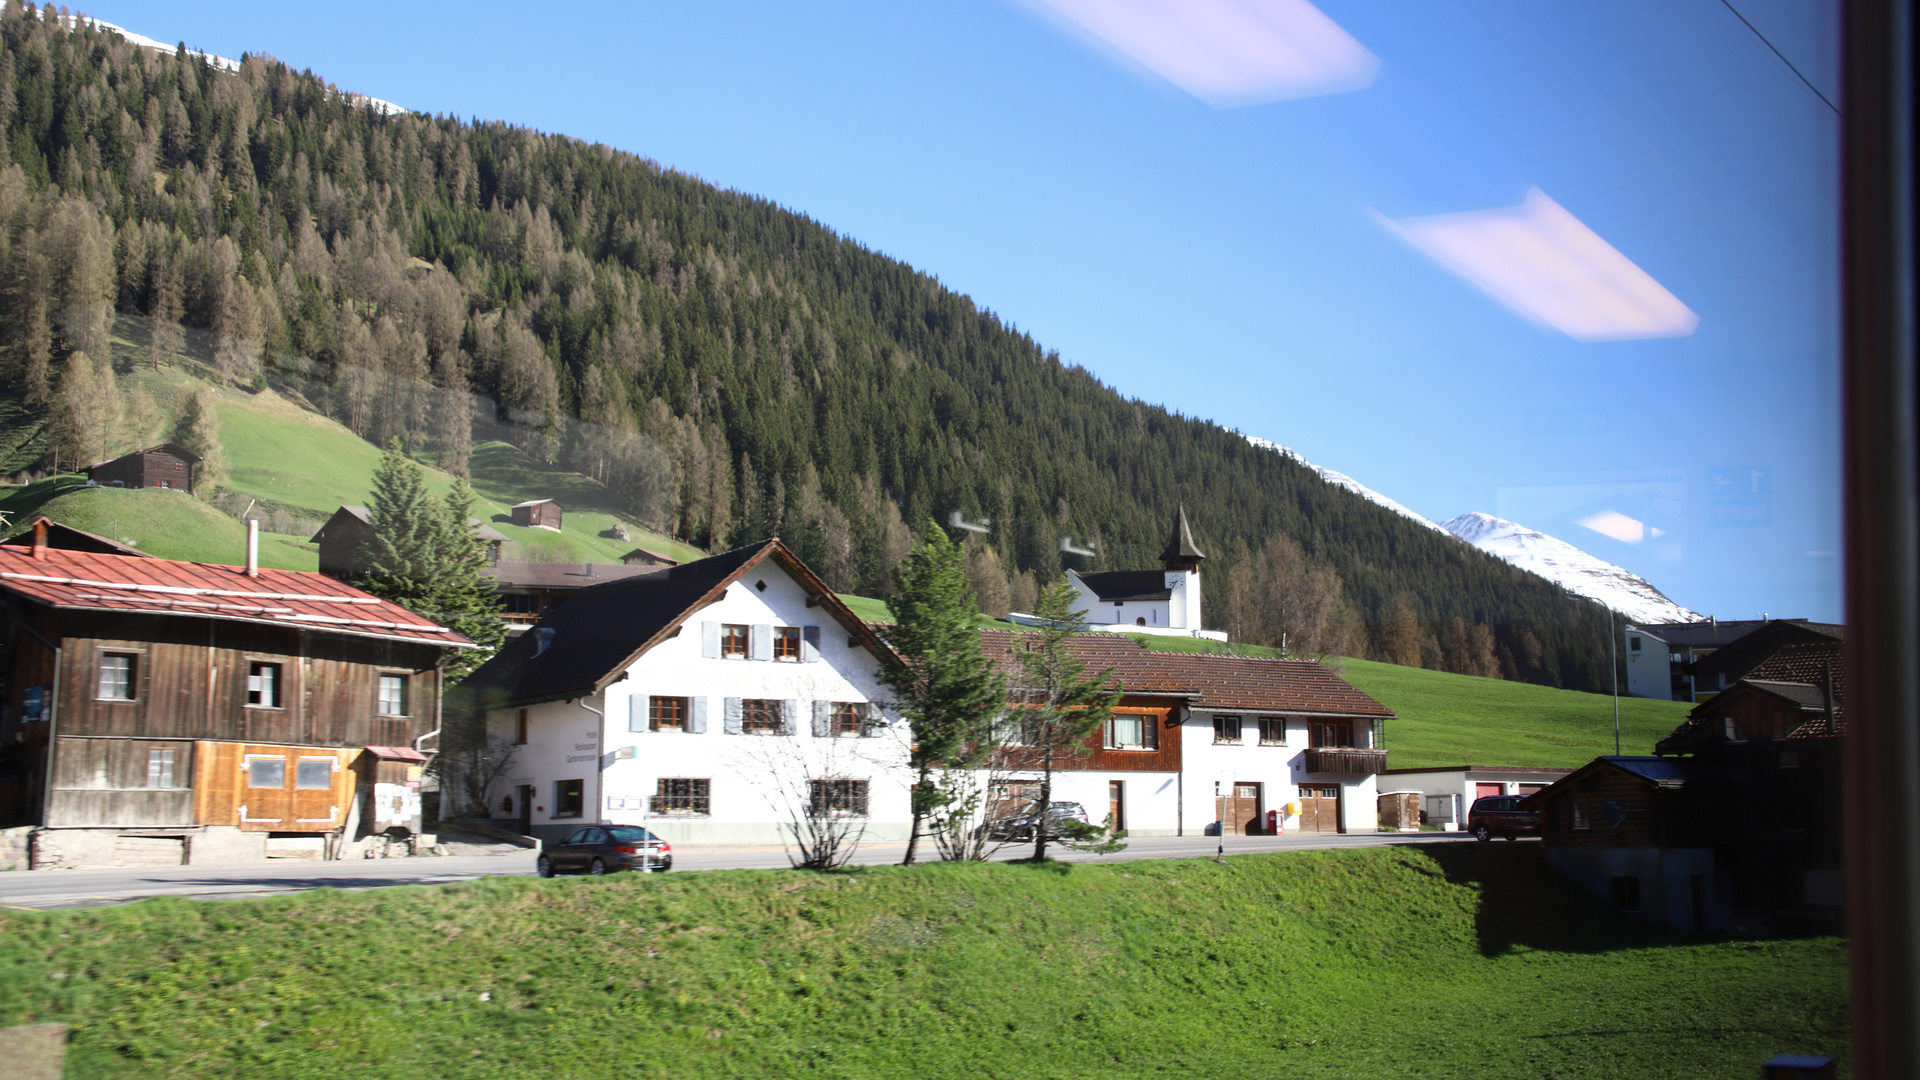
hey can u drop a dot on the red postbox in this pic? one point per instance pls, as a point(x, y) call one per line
point(1273, 823)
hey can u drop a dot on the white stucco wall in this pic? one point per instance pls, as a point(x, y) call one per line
point(756, 780)
point(1649, 671)
point(1280, 770)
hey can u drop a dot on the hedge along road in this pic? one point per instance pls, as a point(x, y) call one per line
point(32, 889)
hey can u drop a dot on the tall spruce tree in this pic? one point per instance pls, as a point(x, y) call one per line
point(1059, 705)
point(940, 678)
point(407, 538)
point(464, 598)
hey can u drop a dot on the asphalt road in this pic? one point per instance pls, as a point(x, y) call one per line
point(94, 887)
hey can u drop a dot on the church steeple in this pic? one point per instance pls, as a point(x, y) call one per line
point(1181, 554)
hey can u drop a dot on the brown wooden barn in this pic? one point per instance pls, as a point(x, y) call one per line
point(538, 513)
point(643, 557)
point(165, 466)
point(163, 711)
point(50, 533)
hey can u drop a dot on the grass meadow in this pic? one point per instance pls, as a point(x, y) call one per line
point(1440, 961)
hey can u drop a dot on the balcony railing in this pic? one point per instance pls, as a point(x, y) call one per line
point(1345, 761)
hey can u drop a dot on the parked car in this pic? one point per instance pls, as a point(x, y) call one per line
point(601, 849)
point(1500, 815)
point(1021, 826)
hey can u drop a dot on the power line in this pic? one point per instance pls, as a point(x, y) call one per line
point(1783, 56)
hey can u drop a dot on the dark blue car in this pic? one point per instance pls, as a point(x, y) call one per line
point(602, 849)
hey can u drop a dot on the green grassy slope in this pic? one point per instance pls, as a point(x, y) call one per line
point(167, 524)
point(1464, 720)
point(1442, 961)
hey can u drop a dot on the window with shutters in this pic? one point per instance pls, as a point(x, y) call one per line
point(667, 713)
point(786, 643)
point(838, 798)
point(263, 685)
point(849, 718)
point(1226, 729)
point(760, 716)
point(733, 641)
point(684, 797)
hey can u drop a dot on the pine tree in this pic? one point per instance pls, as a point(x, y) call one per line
point(197, 428)
point(1057, 705)
point(940, 678)
point(406, 541)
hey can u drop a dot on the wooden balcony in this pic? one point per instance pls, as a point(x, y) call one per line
point(1345, 761)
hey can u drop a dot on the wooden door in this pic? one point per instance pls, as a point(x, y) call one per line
point(1320, 808)
point(1239, 813)
point(1117, 803)
point(317, 800)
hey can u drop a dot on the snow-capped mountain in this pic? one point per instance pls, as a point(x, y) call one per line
point(1569, 567)
point(1342, 480)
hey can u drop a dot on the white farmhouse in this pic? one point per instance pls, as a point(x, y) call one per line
point(710, 702)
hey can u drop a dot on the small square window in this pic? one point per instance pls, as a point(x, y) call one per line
point(1273, 731)
point(1580, 818)
point(786, 643)
point(683, 796)
point(1626, 893)
point(265, 772)
point(733, 641)
point(116, 677)
point(849, 718)
point(760, 715)
point(263, 685)
point(393, 695)
point(313, 774)
point(1226, 729)
point(667, 713)
point(159, 768)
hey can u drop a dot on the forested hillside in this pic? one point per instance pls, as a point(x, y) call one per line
point(728, 367)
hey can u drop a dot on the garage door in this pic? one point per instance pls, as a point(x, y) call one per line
point(1240, 814)
point(1320, 808)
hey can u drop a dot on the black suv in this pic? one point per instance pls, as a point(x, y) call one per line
point(1500, 815)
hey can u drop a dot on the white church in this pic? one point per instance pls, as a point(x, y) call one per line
point(1164, 601)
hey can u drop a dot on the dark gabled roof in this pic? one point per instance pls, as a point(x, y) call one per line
point(1705, 632)
point(1208, 681)
point(1737, 659)
point(365, 517)
point(1113, 585)
point(592, 639)
point(68, 538)
point(175, 449)
point(1180, 545)
point(537, 502)
point(1808, 698)
point(1660, 772)
point(654, 555)
point(509, 573)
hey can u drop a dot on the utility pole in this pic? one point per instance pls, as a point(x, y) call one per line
point(1613, 664)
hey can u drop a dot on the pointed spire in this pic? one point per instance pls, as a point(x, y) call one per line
point(1181, 553)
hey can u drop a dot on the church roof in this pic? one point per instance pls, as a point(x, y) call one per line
point(1180, 545)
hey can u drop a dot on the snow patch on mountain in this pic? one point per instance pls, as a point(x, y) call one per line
point(1340, 479)
point(385, 108)
point(1569, 567)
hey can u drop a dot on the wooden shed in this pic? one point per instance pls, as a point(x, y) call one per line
point(344, 537)
point(643, 557)
point(539, 514)
point(168, 465)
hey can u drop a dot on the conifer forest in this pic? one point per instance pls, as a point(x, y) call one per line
point(729, 368)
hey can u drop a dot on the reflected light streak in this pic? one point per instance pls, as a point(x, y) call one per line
point(1227, 53)
point(1617, 525)
point(1545, 264)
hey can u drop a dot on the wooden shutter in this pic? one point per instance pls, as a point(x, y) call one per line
point(876, 721)
point(809, 644)
point(760, 641)
point(822, 717)
point(732, 715)
point(710, 640)
point(639, 714)
point(790, 711)
point(697, 715)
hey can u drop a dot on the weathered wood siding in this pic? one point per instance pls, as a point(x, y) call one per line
point(223, 795)
point(105, 782)
point(155, 468)
point(191, 683)
point(1154, 712)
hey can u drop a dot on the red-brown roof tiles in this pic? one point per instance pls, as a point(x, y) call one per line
point(1211, 680)
point(88, 581)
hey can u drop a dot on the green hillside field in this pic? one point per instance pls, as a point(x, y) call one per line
point(1445, 960)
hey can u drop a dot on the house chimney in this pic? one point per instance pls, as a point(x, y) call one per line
point(40, 539)
point(253, 547)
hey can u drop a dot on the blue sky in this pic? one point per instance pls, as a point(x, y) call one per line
point(1231, 263)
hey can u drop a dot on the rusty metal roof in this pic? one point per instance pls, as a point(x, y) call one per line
point(85, 581)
